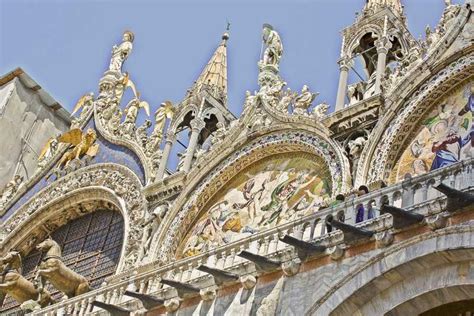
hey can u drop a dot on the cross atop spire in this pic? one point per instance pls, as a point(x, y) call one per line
point(395, 5)
point(213, 78)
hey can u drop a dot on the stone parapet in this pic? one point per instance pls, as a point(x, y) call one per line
point(416, 195)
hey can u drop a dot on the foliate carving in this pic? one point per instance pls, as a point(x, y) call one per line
point(118, 179)
point(9, 190)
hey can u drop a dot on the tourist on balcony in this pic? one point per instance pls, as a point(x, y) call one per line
point(360, 210)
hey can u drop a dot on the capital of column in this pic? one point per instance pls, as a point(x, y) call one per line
point(197, 124)
point(170, 137)
point(383, 44)
point(345, 63)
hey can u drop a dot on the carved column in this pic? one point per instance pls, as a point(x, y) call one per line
point(197, 125)
point(170, 139)
point(383, 45)
point(344, 65)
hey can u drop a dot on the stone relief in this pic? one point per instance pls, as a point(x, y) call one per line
point(9, 190)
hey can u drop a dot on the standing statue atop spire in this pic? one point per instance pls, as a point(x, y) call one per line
point(121, 52)
point(274, 46)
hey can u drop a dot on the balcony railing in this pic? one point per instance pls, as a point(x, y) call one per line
point(416, 194)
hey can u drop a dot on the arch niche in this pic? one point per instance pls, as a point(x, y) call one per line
point(431, 271)
point(271, 180)
point(90, 235)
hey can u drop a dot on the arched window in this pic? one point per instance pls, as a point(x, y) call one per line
point(91, 246)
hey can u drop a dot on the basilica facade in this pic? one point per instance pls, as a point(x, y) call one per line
point(285, 210)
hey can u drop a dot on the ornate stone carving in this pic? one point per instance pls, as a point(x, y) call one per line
point(303, 101)
point(394, 134)
point(210, 184)
point(319, 111)
point(219, 134)
point(119, 179)
point(10, 189)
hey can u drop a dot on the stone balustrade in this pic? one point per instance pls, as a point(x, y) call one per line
point(416, 194)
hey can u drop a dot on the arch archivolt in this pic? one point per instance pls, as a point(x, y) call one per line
point(101, 185)
point(190, 203)
point(396, 129)
point(428, 265)
point(369, 28)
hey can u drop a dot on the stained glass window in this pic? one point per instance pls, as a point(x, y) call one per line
point(91, 246)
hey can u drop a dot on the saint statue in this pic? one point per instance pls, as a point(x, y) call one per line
point(120, 53)
point(304, 101)
point(274, 46)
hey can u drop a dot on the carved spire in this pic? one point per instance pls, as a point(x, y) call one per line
point(213, 78)
point(393, 4)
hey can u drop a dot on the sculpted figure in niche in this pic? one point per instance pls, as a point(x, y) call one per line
point(52, 269)
point(274, 46)
point(152, 224)
point(12, 283)
point(355, 150)
point(120, 53)
point(10, 189)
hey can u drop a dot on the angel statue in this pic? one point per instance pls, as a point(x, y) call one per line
point(274, 46)
point(85, 102)
point(47, 152)
point(131, 113)
point(303, 101)
point(121, 52)
point(82, 144)
point(165, 111)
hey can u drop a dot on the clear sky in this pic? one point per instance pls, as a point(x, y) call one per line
point(65, 45)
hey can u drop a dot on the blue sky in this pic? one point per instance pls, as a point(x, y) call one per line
point(65, 45)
